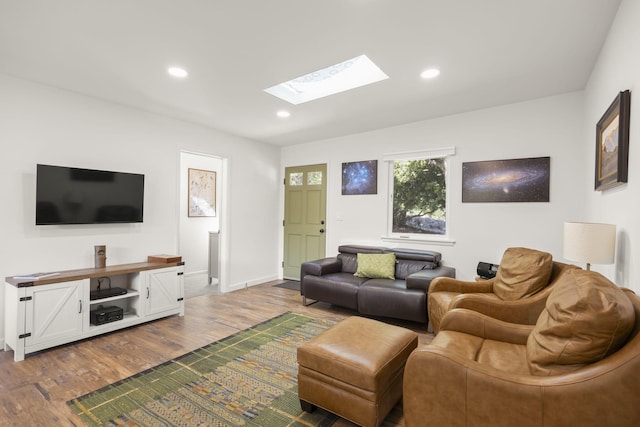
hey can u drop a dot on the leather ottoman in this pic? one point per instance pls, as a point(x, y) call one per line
point(355, 369)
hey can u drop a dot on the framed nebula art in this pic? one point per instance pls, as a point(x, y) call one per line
point(612, 144)
point(514, 180)
point(360, 177)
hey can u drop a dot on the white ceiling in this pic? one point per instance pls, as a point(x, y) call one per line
point(490, 52)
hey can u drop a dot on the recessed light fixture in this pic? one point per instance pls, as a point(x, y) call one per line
point(177, 72)
point(283, 114)
point(350, 74)
point(430, 73)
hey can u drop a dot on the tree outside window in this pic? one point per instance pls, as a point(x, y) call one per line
point(420, 197)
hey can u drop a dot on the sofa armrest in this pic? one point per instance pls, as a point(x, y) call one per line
point(320, 267)
point(483, 326)
point(448, 284)
point(422, 279)
point(525, 311)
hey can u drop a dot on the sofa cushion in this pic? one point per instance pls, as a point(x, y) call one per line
point(349, 262)
point(522, 273)
point(586, 318)
point(376, 266)
point(405, 268)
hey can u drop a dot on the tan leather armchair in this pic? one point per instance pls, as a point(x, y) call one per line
point(480, 371)
point(446, 293)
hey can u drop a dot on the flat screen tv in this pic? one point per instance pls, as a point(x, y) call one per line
point(67, 195)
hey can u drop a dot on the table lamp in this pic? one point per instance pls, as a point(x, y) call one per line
point(588, 242)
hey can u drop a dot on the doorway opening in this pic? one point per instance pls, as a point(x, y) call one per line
point(201, 240)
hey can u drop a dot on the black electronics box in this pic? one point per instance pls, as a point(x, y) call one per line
point(487, 270)
point(102, 315)
point(106, 293)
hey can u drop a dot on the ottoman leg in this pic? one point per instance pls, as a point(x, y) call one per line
point(306, 406)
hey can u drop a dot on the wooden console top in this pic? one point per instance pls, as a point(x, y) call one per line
point(88, 273)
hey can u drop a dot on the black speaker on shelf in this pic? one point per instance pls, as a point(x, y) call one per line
point(487, 270)
point(102, 315)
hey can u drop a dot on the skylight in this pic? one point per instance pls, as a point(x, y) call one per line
point(350, 74)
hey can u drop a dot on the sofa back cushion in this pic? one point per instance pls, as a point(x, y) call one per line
point(349, 262)
point(376, 266)
point(585, 319)
point(405, 267)
point(431, 257)
point(522, 273)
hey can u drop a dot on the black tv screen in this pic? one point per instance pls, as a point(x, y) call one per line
point(67, 195)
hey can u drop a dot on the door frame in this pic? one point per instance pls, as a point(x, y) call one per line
point(283, 209)
point(222, 211)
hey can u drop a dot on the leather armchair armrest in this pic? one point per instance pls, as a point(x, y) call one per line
point(320, 267)
point(441, 388)
point(481, 325)
point(422, 279)
point(448, 284)
point(525, 311)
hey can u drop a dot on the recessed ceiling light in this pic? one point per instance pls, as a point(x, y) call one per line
point(177, 72)
point(284, 114)
point(350, 74)
point(430, 73)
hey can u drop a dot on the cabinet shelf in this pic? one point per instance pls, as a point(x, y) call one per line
point(129, 319)
point(130, 294)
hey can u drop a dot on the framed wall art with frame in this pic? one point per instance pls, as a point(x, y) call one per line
point(202, 193)
point(360, 177)
point(511, 180)
point(612, 144)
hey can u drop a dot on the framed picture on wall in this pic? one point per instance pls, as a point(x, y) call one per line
point(202, 193)
point(513, 180)
point(360, 177)
point(612, 144)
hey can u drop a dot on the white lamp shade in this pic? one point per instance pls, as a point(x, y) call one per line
point(589, 242)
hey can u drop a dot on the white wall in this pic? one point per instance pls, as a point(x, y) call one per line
point(482, 231)
point(617, 69)
point(41, 124)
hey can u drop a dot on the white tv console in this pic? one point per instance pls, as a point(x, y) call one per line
point(55, 310)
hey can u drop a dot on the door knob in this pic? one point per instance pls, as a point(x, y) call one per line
point(322, 230)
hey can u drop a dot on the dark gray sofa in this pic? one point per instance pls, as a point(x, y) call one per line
point(331, 280)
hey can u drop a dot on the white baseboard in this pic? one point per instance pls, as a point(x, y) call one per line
point(244, 285)
point(196, 278)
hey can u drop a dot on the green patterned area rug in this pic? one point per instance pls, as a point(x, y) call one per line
point(247, 379)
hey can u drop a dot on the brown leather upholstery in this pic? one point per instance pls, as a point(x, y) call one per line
point(446, 294)
point(476, 373)
point(522, 273)
point(584, 302)
point(355, 369)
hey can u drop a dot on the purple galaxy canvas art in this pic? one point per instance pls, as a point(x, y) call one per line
point(360, 177)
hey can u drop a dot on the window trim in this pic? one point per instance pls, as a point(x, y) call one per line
point(434, 239)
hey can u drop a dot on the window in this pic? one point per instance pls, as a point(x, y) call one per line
point(314, 178)
point(418, 207)
point(295, 178)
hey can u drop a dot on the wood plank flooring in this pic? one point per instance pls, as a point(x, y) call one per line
point(35, 391)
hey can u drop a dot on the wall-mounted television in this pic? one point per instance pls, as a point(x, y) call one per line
point(67, 195)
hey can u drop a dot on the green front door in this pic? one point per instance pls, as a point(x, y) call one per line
point(304, 216)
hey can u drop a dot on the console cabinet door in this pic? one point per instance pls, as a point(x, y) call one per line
point(55, 313)
point(165, 291)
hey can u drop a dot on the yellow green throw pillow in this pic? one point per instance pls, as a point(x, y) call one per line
point(376, 266)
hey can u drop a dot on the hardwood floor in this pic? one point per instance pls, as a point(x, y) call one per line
point(35, 391)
